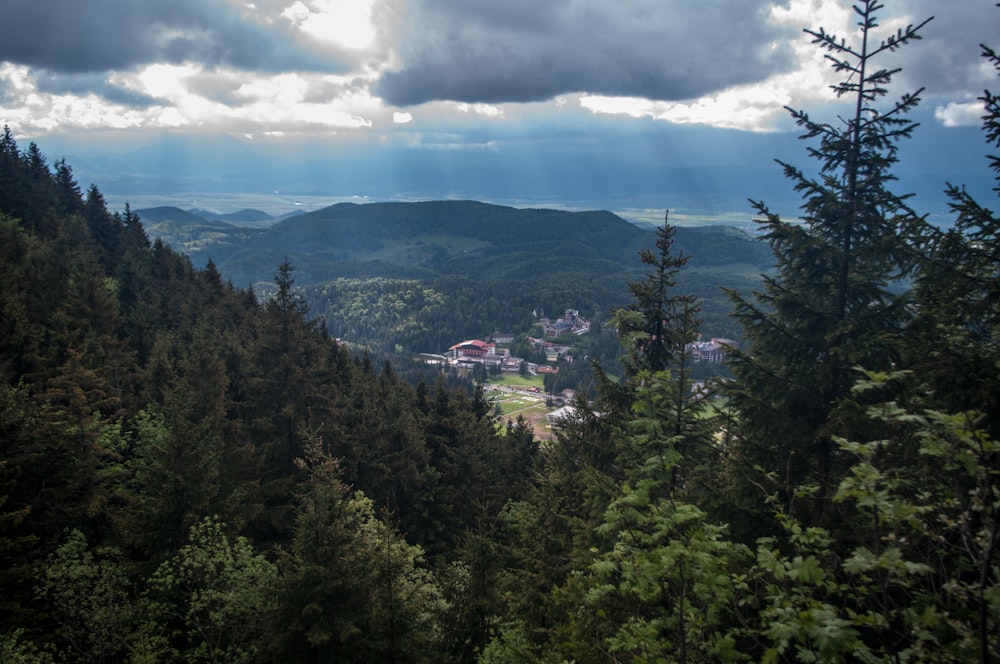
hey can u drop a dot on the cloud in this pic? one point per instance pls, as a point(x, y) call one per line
point(69, 36)
point(265, 66)
point(521, 50)
point(947, 60)
point(109, 88)
point(345, 23)
point(957, 114)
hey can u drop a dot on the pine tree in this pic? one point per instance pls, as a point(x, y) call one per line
point(954, 347)
point(67, 189)
point(350, 589)
point(651, 568)
point(283, 397)
point(955, 339)
point(833, 302)
point(658, 326)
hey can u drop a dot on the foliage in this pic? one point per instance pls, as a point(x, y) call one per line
point(350, 588)
point(90, 599)
point(835, 300)
point(16, 649)
point(915, 579)
point(659, 325)
point(212, 596)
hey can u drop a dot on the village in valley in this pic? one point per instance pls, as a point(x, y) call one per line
point(517, 387)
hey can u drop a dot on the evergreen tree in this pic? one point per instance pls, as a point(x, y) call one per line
point(284, 397)
point(656, 328)
point(833, 302)
point(954, 347)
point(350, 588)
point(105, 228)
point(656, 581)
point(955, 339)
point(67, 189)
point(661, 580)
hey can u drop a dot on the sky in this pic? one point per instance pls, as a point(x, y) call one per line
point(632, 103)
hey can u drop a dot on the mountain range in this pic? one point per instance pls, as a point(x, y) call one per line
point(434, 238)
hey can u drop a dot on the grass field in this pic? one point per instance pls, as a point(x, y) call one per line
point(529, 406)
point(517, 380)
point(512, 404)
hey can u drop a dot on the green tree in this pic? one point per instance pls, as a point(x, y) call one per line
point(833, 301)
point(663, 577)
point(955, 350)
point(652, 572)
point(350, 588)
point(212, 598)
point(15, 648)
point(657, 326)
point(954, 339)
point(910, 572)
point(90, 599)
point(284, 397)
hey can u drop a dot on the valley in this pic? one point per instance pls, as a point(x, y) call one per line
point(414, 277)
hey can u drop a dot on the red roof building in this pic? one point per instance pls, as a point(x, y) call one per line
point(470, 348)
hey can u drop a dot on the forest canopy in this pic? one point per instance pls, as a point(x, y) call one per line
point(190, 472)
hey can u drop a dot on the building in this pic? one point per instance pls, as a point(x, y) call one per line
point(711, 351)
point(471, 349)
point(511, 364)
point(560, 415)
point(558, 329)
point(570, 323)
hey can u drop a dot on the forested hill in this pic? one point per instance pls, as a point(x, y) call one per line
point(189, 474)
point(437, 237)
point(419, 276)
point(352, 224)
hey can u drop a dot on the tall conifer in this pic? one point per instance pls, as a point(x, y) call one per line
point(831, 304)
point(955, 340)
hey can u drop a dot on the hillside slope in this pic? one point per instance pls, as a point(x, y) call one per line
point(420, 239)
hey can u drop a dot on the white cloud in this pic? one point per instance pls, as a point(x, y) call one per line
point(287, 89)
point(346, 23)
point(960, 114)
point(281, 102)
point(402, 118)
point(635, 107)
point(488, 110)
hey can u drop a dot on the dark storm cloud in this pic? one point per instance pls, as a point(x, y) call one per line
point(100, 35)
point(947, 60)
point(92, 83)
point(523, 50)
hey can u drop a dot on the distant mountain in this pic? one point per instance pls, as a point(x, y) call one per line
point(415, 274)
point(375, 228)
point(246, 216)
point(193, 234)
point(168, 213)
point(437, 238)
